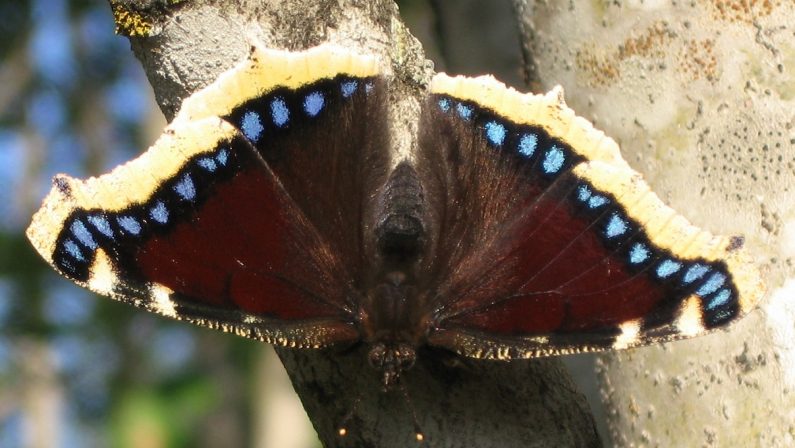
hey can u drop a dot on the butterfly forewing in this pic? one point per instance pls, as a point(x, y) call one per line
point(252, 223)
point(549, 243)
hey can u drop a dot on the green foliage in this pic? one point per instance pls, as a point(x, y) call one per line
point(167, 416)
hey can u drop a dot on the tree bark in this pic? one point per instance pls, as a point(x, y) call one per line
point(456, 402)
point(700, 95)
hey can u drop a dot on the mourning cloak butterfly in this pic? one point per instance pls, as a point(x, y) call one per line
point(271, 208)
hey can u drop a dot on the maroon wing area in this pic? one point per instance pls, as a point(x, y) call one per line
point(524, 248)
point(266, 230)
point(551, 272)
point(246, 246)
point(332, 166)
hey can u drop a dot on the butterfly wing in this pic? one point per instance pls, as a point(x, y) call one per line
point(548, 242)
point(214, 224)
point(330, 168)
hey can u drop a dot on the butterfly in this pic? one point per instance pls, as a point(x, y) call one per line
point(273, 207)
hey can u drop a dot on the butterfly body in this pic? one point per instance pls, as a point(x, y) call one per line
point(392, 316)
point(272, 208)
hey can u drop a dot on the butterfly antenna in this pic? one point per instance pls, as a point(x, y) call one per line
point(417, 429)
point(343, 429)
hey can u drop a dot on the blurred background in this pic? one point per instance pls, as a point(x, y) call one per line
point(81, 371)
point(77, 370)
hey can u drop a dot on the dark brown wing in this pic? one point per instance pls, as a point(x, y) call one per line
point(251, 222)
point(547, 242)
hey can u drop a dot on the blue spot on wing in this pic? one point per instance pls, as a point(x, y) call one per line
point(553, 160)
point(712, 284)
point(251, 126)
point(638, 253)
point(313, 103)
point(101, 223)
point(74, 250)
point(159, 212)
point(721, 298)
point(83, 235)
point(129, 224)
point(615, 226)
point(597, 201)
point(279, 112)
point(695, 272)
point(495, 133)
point(667, 268)
point(444, 105)
point(464, 111)
point(348, 88)
point(208, 164)
point(527, 144)
point(583, 193)
point(222, 157)
point(185, 188)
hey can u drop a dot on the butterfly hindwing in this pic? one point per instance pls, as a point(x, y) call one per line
point(552, 244)
point(250, 223)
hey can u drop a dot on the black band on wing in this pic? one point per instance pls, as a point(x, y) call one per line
point(543, 251)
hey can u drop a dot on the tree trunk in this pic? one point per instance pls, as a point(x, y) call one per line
point(701, 97)
point(456, 402)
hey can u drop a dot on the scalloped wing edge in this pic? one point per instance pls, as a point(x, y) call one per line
point(179, 142)
point(165, 157)
point(265, 70)
point(607, 171)
point(549, 111)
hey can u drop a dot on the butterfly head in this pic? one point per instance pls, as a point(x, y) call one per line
point(391, 360)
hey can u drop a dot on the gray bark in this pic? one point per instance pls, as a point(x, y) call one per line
point(700, 95)
point(456, 402)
